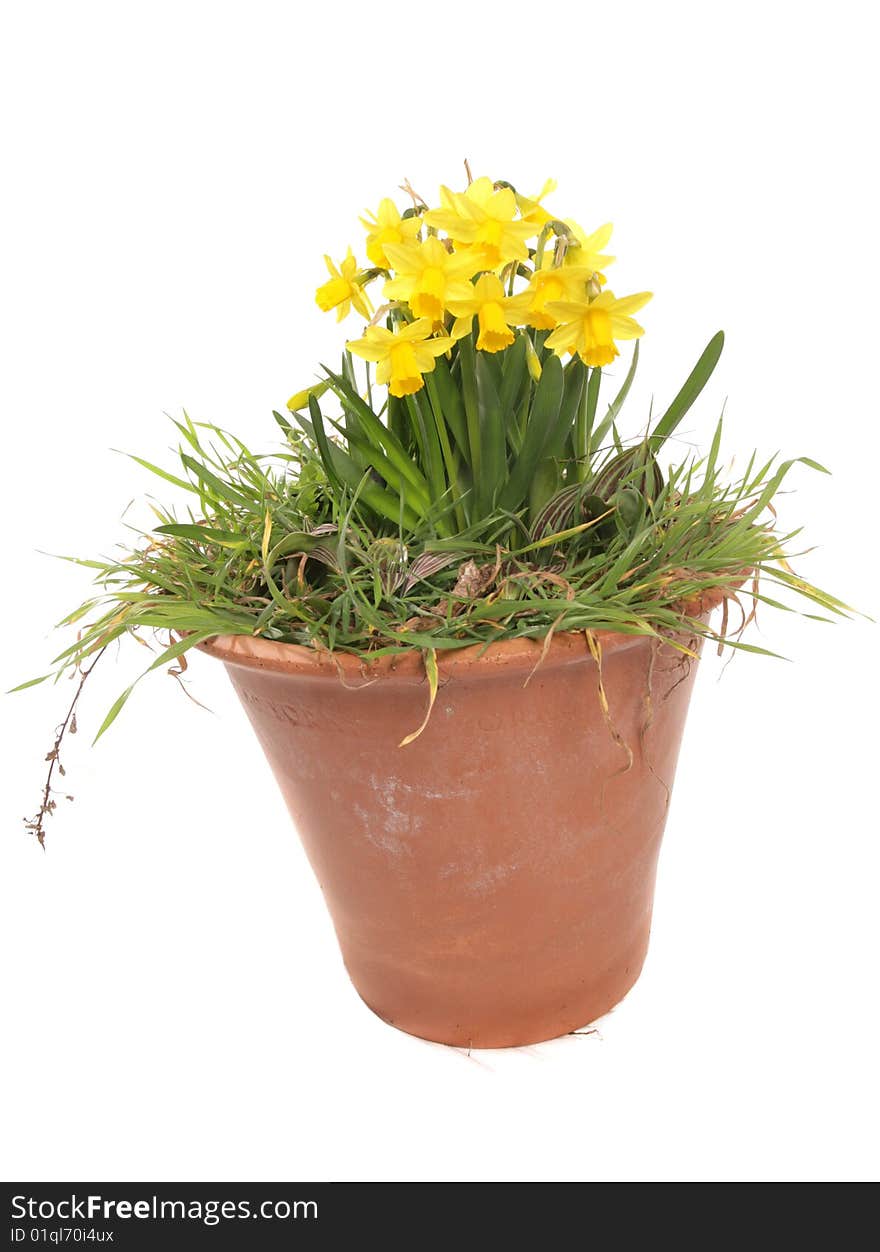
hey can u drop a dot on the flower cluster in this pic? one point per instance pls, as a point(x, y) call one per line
point(488, 256)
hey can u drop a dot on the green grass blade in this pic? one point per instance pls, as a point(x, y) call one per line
point(205, 534)
point(696, 381)
point(219, 490)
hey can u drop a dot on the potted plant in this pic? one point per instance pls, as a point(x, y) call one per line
point(464, 613)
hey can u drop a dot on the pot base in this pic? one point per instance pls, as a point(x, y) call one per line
point(517, 1025)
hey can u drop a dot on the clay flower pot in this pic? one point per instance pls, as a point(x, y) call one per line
point(491, 883)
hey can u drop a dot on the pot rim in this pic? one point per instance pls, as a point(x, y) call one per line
point(522, 653)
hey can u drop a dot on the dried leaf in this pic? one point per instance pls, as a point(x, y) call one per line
point(433, 682)
point(474, 580)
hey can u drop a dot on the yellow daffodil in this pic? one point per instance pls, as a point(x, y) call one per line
point(588, 254)
point(401, 356)
point(492, 309)
point(343, 289)
point(387, 226)
point(590, 328)
point(548, 285)
point(532, 210)
point(427, 276)
point(482, 218)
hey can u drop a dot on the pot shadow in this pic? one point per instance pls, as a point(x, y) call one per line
point(539, 1052)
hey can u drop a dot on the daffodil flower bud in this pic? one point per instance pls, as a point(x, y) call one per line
point(533, 361)
point(301, 399)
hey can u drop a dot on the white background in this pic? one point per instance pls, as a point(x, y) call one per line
point(173, 172)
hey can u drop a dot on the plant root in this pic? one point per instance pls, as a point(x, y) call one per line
point(596, 653)
point(688, 654)
point(544, 650)
point(340, 674)
point(648, 704)
point(595, 648)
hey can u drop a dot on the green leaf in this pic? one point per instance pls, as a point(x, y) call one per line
point(344, 472)
point(586, 417)
point(544, 484)
point(170, 653)
point(513, 363)
point(593, 389)
point(492, 437)
point(468, 368)
point(188, 430)
point(374, 458)
point(220, 490)
point(377, 434)
point(696, 381)
point(423, 420)
point(616, 404)
point(297, 541)
point(629, 509)
point(545, 481)
point(31, 682)
point(154, 469)
point(204, 534)
point(450, 402)
point(451, 460)
point(115, 709)
point(575, 380)
point(542, 417)
point(323, 442)
point(776, 482)
point(709, 472)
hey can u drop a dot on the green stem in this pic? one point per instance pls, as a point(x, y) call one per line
point(423, 423)
point(449, 457)
point(586, 417)
point(468, 364)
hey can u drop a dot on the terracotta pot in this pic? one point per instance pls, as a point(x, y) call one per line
point(491, 883)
